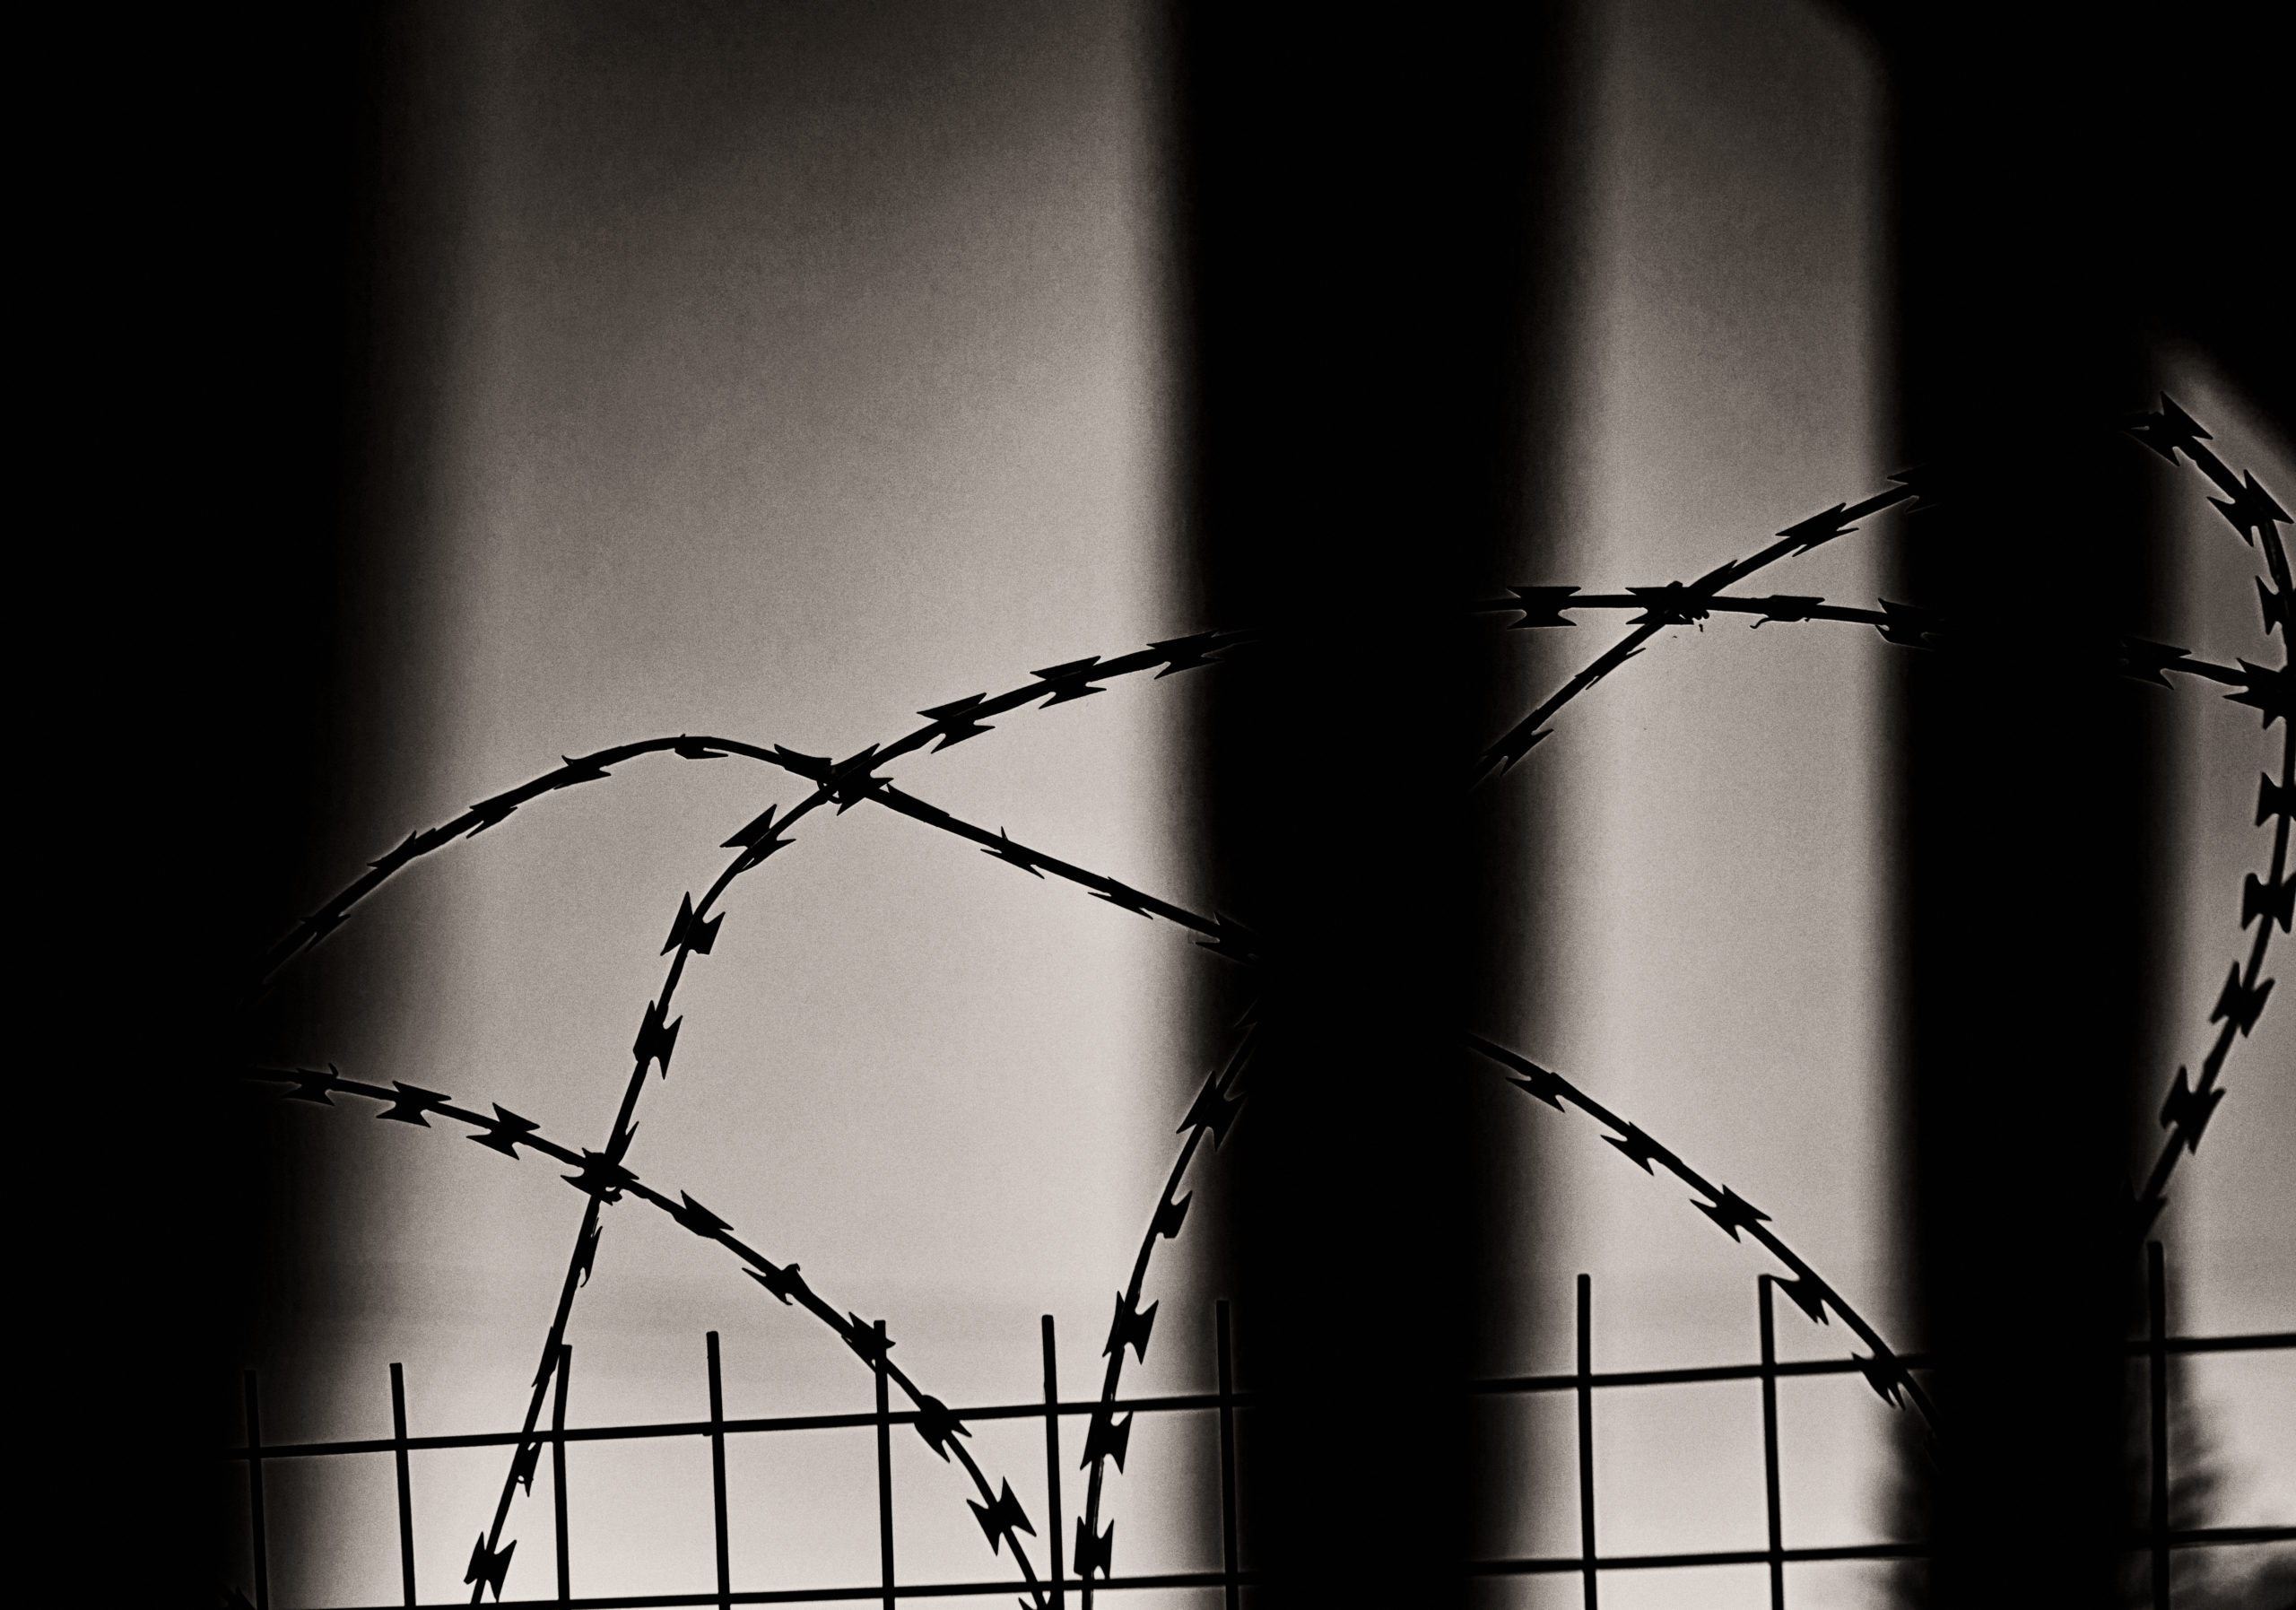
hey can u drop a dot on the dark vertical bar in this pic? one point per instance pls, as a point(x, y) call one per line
point(558, 1471)
point(1230, 1588)
point(1356, 301)
point(1769, 1447)
point(717, 1464)
point(2156, 1327)
point(1587, 1438)
point(406, 1487)
point(1052, 1461)
point(885, 1473)
point(2030, 929)
point(254, 1495)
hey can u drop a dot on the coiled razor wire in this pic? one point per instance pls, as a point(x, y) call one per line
point(2247, 506)
point(604, 1179)
point(694, 930)
point(2249, 510)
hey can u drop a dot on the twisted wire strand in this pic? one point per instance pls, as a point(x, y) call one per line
point(2251, 510)
point(694, 930)
point(1671, 606)
point(606, 1180)
point(1222, 935)
point(1900, 625)
point(1884, 1370)
point(1217, 1107)
point(950, 723)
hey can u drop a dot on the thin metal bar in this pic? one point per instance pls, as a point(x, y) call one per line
point(255, 1493)
point(862, 1421)
point(2156, 1315)
point(1587, 1440)
point(1693, 1375)
point(718, 1466)
point(1769, 1447)
point(885, 1474)
point(1230, 1579)
point(1052, 1460)
point(1567, 1564)
point(405, 1486)
point(1208, 1579)
point(1004, 1589)
point(558, 1473)
point(2178, 1347)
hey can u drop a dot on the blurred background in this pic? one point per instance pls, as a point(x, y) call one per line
point(779, 371)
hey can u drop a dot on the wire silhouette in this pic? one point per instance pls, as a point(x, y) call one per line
point(605, 1180)
point(604, 1176)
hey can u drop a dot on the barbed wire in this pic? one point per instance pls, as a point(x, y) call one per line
point(1214, 1112)
point(2249, 510)
point(694, 930)
point(1222, 935)
point(950, 724)
point(1676, 602)
point(2247, 505)
point(606, 1180)
point(1900, 625)
point(1218, 1105)
point(1731, 1213)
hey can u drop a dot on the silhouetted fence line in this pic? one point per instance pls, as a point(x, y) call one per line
point(2157, 1538)
point(603, 1177)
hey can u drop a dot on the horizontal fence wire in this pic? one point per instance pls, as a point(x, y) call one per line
point(2157, 1539)
point(1167, 1403)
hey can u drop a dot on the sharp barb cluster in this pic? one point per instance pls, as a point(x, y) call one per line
point(2266, 900)
point(1214, 1112)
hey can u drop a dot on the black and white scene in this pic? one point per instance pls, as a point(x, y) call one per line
point(1142, 805)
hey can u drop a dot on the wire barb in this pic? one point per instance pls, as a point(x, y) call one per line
point(1106, 1438)
point(487, 1567)
point(656, 1039)
point(689, 934)
point(1093, 1553)
point(1732, 1212)
point(410, 1103)
point(1130, 1327)
point(2187, 1111)
point(1001, 1518)
point(502, 1134)
point(2240, 1004)
point(938, 1426)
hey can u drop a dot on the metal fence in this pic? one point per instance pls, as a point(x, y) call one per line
point(2157, 1538)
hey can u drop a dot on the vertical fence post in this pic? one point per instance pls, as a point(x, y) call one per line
point(2156, 1317)
point(1769, 1445)
point(558, 1471)
point(717, 1470)
point(406, 1487)
point(1587, 1440)
point(1052, 1461)
point(1231, 1587)
point(255, 1493)
point(885, 1473)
